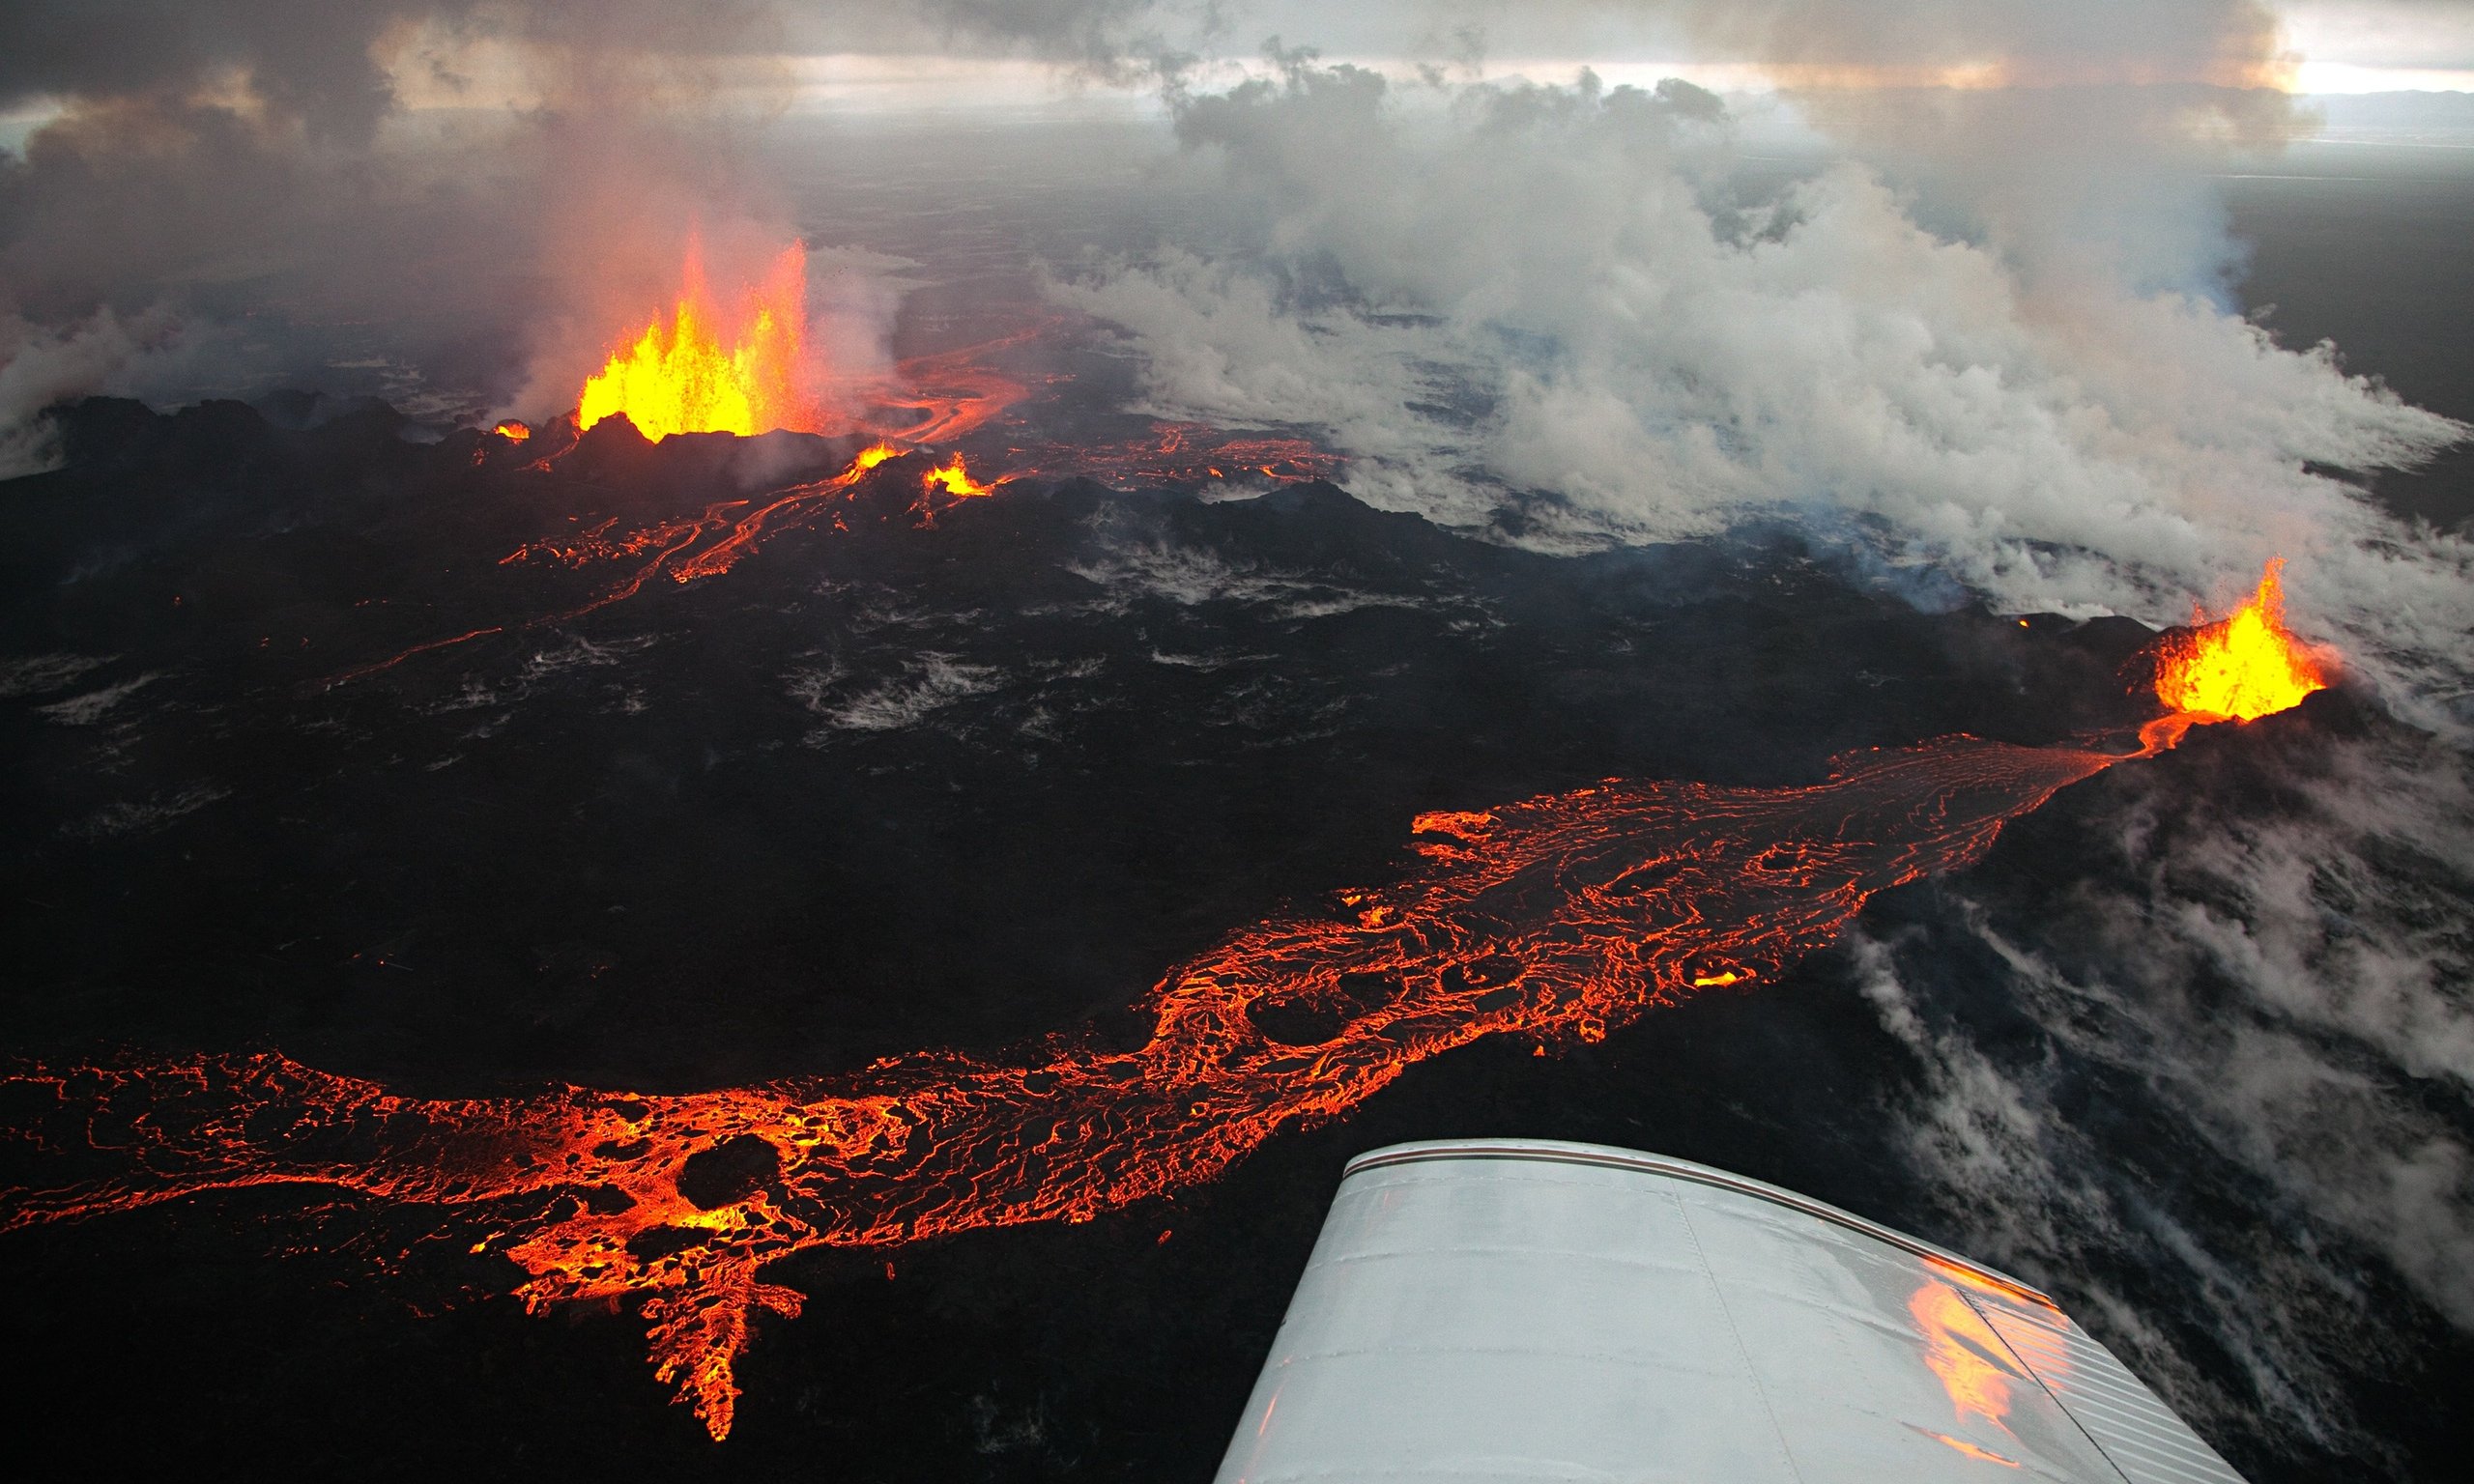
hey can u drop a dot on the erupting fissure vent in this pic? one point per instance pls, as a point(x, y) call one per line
point(2242, 667)
point(2245, 665)
point(709, 372)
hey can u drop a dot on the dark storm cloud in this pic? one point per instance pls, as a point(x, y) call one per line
point(312, 59)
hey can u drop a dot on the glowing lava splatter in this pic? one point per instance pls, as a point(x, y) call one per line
point(707, 373)
point(1555, 919)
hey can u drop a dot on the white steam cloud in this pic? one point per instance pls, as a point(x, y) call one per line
point(1542, 299)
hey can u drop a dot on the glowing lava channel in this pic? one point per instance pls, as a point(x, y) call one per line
point(1555, 919)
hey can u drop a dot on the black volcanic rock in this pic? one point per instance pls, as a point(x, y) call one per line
point(104, 432)
point(730, 1171)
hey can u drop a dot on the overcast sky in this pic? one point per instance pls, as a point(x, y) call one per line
point(344, 64)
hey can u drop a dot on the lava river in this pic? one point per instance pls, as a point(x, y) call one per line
point(1553, 919)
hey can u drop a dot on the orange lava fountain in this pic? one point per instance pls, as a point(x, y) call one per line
point(954, 480)
point(513, 431)
point(1554, 918)
point(699, 376)
point(2244, 666)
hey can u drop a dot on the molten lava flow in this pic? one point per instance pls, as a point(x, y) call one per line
point(700, 375)
point(667, 547)
point(950, 393)
point(1183, 453)
point(2243, 666)
point(1553, 919)
point(782, 507)
point(512, 430)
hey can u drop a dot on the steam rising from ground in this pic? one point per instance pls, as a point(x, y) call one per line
point(1536, 309)
point(246, 174)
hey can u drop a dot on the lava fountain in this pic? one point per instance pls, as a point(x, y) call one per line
point(2245, 665)
point(743, 371)
point(2239, 667)
point(954, 479)
point(1554, 918)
